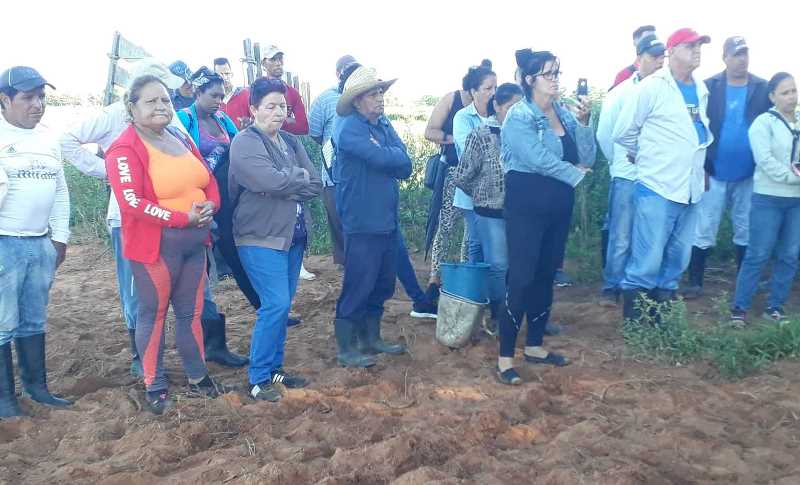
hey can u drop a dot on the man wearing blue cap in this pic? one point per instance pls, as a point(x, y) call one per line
point(183, 97)
point(34, 229)
point(650, 58)
point(735, 99)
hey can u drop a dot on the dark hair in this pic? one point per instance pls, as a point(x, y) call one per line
point(641, 30)
point(346, 72)
point(262, 86)
point(204, 79)
point(221, 61)
point(9, 91)
point(505, 93)
point(772, 85)
point(476, 74)
point(532, 63)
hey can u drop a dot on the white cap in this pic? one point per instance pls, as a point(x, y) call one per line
point(270, 51)
point(152, 67)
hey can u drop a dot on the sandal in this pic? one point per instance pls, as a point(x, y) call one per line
point(508, 377)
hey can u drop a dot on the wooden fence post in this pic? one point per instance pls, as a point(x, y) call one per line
point(108, 96)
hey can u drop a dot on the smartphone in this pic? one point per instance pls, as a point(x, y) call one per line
point(583, 87)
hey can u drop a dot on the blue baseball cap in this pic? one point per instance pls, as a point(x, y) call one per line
point(22, 78)
point(650, 45)
point(180, 69)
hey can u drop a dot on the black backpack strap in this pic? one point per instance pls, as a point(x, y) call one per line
point(795, 134)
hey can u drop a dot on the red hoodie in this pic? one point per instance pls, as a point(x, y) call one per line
point(238, 109)
point(127, 164)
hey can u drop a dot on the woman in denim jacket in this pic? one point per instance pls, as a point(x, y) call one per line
point(546, 151)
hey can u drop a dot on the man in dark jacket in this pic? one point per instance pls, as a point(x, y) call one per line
point(736, 98)
point(371, 159)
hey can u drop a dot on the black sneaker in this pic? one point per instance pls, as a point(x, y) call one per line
point(609, 298)
point(265, 392)
point(207, 387)
point(158, 402)
point(738, 318)
point(293, 322)
point(292, 382)
point(424, 309)
point(562, 279)
point(775, 314)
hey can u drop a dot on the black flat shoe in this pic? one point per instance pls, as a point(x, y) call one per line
point(552, 358)
point(292, 322)
point(508, 377)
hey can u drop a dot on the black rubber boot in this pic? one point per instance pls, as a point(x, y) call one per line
point(631, 310)
point(9, 407)
point(370, 341)
point(664, 299)
point(697, 268)
point(33, 372)
point(603, 246)
point(348, 354)
point(216, 344)
point(136, 360)
point(740, 252)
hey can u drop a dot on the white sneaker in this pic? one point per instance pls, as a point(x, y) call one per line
point(305, 275)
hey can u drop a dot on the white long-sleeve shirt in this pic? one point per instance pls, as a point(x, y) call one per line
point(37, 200)
point(618, 164)
point(656, 127)
point(103, 129)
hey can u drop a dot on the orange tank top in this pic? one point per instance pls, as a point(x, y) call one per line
point(178, 180)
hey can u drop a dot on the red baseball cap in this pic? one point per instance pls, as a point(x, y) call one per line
point(686, 36)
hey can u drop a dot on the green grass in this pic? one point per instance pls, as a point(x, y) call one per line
point(734, 353)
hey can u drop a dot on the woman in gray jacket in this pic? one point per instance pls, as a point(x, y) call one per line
point(270, 179)
point(775, 208)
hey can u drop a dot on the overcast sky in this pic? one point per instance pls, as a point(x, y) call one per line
point(427, 44)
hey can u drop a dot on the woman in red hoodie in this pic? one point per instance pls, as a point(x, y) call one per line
point(167, 196)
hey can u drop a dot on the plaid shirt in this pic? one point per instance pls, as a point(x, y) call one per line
point(480, 170)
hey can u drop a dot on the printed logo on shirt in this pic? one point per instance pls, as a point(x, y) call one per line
point(694, 112)
point(158, 212)
point(124, 170)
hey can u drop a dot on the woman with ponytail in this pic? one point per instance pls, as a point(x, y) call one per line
point(546, 151)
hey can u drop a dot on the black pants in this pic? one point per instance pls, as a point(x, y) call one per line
point(538, 211)
point(227, 247)
point(334, 224)
point(370, 271)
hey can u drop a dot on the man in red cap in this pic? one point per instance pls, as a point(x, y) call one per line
point(669, 149)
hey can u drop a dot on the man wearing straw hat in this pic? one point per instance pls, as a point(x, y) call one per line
point(371, 159)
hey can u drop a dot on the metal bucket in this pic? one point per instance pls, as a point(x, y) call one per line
point(457, 319)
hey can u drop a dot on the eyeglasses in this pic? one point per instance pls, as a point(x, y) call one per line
point(550, 75)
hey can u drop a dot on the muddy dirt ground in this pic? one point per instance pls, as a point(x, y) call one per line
point(432, 416)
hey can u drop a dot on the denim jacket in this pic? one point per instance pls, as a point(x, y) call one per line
point(530, 145)
point(370, 159)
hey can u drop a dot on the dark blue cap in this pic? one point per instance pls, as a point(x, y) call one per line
point(22, 78)
point(651, 45)
point(180, 69)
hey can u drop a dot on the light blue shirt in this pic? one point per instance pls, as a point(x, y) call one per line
point(465, 120)
point(321, 121)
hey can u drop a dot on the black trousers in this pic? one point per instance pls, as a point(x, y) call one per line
point(334, 224)
point(538, 212)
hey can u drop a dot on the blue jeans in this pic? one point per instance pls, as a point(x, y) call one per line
point(27, 268)
point(274, 276)
point(406, 273)
point(712, 206)
point(620, 226)
point(474, 251)
point(774, 227)
point(491, 233)
point(128, 298)
point(661, 245)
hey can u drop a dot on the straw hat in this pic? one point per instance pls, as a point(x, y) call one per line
point(362, 80)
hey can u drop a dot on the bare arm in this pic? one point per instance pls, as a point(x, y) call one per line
point(434, 132)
